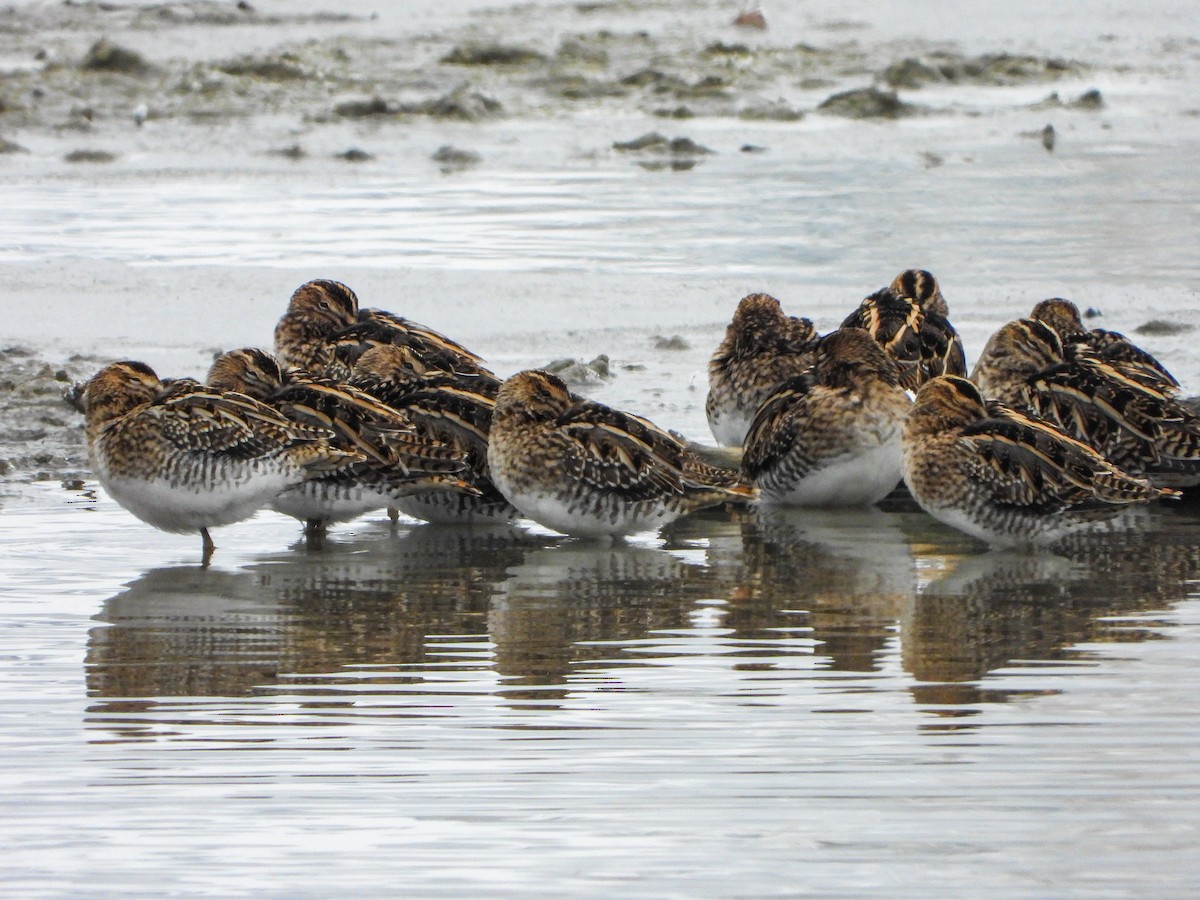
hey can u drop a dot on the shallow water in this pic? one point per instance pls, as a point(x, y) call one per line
point(558, 196)
point(762, 705)
point(759, 704)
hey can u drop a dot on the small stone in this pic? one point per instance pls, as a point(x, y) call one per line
point(293, 152)
point(647, 141)
point(267, 69)
point(687, 147)
point(1163, 328)
point(911, 73)
point(105, 56)
point(720, 48)
point(462, 104)
point(360, 109)
point(1048, 138)
point(867, 103)
point(356, 154)
point(1092, 99)
point(1092, 312)
point(450, 157)
point(674, 342)
point(576, 372)
point(600, 365)
point(89, 156)
point(491, 55)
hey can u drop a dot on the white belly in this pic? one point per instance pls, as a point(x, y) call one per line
point(452, 508)
point(729, 427)
point(186, 509)
point(316, 500)
point(859, 480)
point(610, 520)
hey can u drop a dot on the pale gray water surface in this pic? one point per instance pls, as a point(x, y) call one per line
point(761, 706)
point(764, 704)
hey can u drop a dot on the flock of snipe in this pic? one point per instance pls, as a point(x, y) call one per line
point(359, 409)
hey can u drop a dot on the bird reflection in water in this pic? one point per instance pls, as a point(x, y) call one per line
point(534, 620)
point(574, 603)
point(298, 620)
point(846, 574)
point(1001, 608)
point(482, 605)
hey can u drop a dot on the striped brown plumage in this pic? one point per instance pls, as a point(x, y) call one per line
point(762, 347)
point(1003, 476)
point(1143, 429)
point(397, 461)
point(184, 457)
point(831, 437)
point(583, 468)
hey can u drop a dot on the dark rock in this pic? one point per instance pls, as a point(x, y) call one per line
point(282, 69)
point(90, 156)
point(293, 152)
point(462, 104)
point(674, 342)
point(1092, 312)
point(356, 154)
point(361, 109)
point(576, 372)
point(1092, 99)
point(1048, 138)
point(911, 73)
point(722, 49)
point(450, 157)
point(491, 55)
point(661, 82)
point(575, 87)
point(752, 148)
point(105, 56)
point(7, 146)
point(650, 141)
point(990, 68)
point(708, 86)
point(867, 103)
point(1163, 328)
point(687, 147)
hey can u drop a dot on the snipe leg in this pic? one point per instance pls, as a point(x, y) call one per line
point(314, 534)
point(208, 548)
